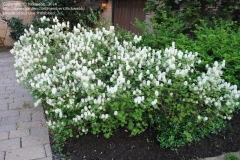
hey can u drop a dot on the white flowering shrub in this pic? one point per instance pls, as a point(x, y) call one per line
point(89, 81)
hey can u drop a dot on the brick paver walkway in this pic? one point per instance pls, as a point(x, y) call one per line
point(23, 131)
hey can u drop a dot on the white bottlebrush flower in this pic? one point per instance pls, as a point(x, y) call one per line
point(215, 64)
point(199, 117)
point(154, 102)
point(156, 93)
point(115, 113)
point(169, 81)
point(137, 100)
point(140, 77)
point(205, 118)
point(106, 116)
point(43, 19)
point(75, 119)
point(59, 112)
point(49, 123)
point(93, 115)
point(185, 83)
point(223, 63)
point(151, 76)
point(180, 54)
point(37, 85)
point(37, 102)
point(148, 83)
point(147, 72)
point(54, 90)
point(111, 28)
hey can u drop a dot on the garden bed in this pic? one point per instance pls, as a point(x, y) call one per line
point(93, 83)
point(144, 146)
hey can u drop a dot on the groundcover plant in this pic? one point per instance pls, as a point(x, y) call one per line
point(90, 82)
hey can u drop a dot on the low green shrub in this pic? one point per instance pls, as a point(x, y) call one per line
point(90, 82)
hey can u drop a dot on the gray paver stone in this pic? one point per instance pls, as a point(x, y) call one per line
point(47, 158)
point(30, 110)
point(22, 99)
point(2, 89)
point(9, 81)
point(37, 116)
point(11, 75)
point(48, 150)
point(4, 96)
point(44, 123)
point(8, 127)
point(8, 84)
point(19, 133)
point(4, 135)
point(24, 92)
point(11, 88)
point(26, 153)
point(3, 107)
point(237, 154)
point(15, 119)
point(4, 100)
point(38, 136)
point(16, 105)
point(6, 145)
point(4, 92)
point(32, 124)
point(221, 157)
point(14, 95)
point(9, 113)
point(2, 155)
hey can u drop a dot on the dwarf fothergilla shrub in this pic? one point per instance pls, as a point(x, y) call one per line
point(90, 81)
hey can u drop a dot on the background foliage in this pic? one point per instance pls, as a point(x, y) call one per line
point(213, 33)
point(191, 12)
point(86, 17)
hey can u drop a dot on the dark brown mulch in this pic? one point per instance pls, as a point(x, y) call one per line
point(145, 147)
